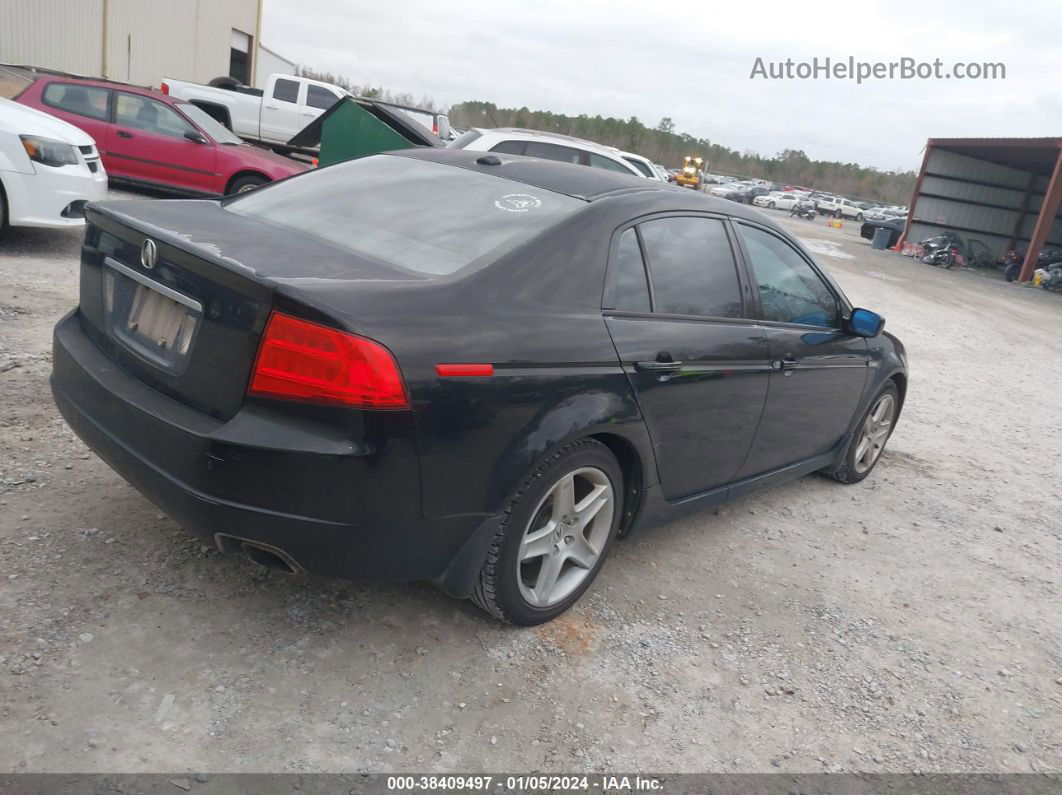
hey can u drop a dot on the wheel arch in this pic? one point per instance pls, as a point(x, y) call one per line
point(246, 172)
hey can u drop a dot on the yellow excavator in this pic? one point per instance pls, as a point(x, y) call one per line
point(691, 175)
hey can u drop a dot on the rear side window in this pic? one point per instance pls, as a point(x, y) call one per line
point(317, 97)
point(627, 289)
point(790, 289)
point(692, 267)
point(286, 91)
point(412, 214)
point(88, 101)
point(562, 154)
point(509, 147)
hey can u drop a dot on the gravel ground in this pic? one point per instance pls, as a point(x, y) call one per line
point(908, 623)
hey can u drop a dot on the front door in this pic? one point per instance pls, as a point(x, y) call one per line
point(818, 371)
point(147, 142)
point(698, 368)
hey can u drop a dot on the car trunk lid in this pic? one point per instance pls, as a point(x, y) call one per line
point(177, 293)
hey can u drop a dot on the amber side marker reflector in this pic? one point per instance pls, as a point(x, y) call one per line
point(464, 370)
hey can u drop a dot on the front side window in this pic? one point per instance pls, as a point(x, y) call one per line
point(88, 101)
point(692, 267)
point(451, 218)
point(638, 164)
point(607, 163)
point(317, 97)
point(627, 289)
point(790, 289)
point(286, 90)
point(143, 113)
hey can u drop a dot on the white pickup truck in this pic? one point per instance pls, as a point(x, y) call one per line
point(271, 116)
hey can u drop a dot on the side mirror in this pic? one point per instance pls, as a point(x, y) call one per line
point(442, 124)
point(195, 136)
point(864, 323)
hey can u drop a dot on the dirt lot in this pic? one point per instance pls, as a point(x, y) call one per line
point(908, 623)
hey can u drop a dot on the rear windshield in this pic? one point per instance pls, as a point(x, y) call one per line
point(414, 214)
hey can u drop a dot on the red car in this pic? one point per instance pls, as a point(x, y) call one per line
point(148, 138)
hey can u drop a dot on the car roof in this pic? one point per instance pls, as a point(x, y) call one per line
point(580, 182)
point(109, 84)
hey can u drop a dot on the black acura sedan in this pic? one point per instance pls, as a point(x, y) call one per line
point(472, 369)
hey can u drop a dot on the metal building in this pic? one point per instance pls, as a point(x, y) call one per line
point(1004, 192)
point(135, 41)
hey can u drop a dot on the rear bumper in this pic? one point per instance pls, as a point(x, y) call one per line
point(330, 505)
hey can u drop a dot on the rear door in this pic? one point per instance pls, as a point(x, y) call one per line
point(699, 368)
point(282, 110)
point(147, 142)
point(818, 371)
point(86, 107)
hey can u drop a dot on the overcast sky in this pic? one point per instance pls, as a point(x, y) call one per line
point(692, 60)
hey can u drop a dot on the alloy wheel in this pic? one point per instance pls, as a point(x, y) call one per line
point(565, 537)
point(875, 433)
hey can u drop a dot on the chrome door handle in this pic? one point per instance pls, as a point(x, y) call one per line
point(659, 367)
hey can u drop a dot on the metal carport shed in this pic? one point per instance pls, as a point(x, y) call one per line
point(1004, 192)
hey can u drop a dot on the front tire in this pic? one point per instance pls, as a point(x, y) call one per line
point(872, 433)
point(771, 205)
point(553, 537)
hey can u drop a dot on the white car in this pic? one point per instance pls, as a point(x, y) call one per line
point(839, 207)
point(548, 146)
point(776, 198)
point(48, 169)
point(724, 190)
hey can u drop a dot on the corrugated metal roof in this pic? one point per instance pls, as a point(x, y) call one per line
point(1036, 155)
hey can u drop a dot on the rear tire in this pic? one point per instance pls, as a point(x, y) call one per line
point(538, 565)
point(3, 213)
point(870, 438)
point(246, 183)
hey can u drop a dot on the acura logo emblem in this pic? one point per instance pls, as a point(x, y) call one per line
point(149, 253)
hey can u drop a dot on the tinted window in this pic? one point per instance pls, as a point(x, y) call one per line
point(83, 100)
point(597, 161)
point(317, 97)
point(692, 267)
point(509, 147)
point(563, 154)
point(450, 217)
point(144, 113)
point(286, 91)
point(790, 289)
point(627, 288)
point(638, 164)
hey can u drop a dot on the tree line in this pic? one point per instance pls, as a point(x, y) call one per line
point(663, 144)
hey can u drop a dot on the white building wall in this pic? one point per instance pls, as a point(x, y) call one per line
point(146, 40)
point(269, 63)
point(58, 34)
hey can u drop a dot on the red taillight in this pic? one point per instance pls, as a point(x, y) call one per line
point(300, 360)
point(165, 87)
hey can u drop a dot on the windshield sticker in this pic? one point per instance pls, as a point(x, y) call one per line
point(518, 202)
